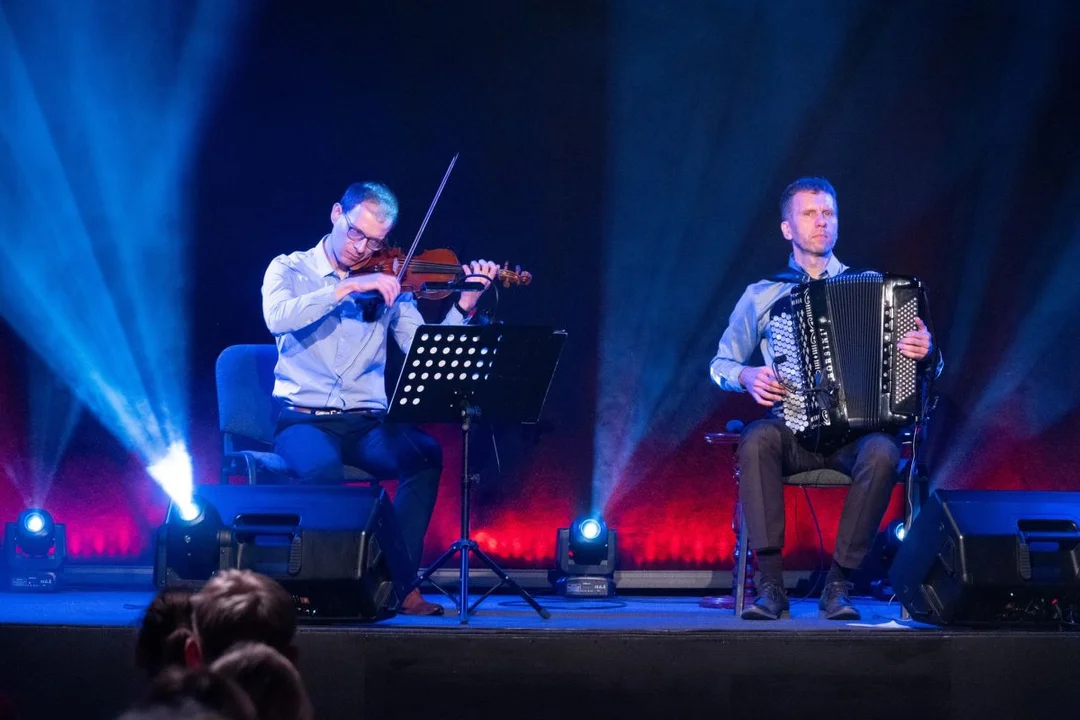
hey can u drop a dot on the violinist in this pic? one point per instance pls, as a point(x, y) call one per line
point(329, 378)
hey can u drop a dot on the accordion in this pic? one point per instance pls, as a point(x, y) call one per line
point(834, 344)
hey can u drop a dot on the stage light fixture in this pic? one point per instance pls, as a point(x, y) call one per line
point(585, 559)
point(188, 545)
point(35, 548)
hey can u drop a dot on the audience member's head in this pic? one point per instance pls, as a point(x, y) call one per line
point(182, 710)
point(240, 606)
point(269, 679)
point(175, 686)
point(164, 632)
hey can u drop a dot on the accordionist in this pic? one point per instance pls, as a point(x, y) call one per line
point(806, 428)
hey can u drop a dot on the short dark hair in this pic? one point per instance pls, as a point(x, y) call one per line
point(270, 680)
point(373, 192)
point(804, 184)
point(165, 628)
point(241, 605)
point(176, 686)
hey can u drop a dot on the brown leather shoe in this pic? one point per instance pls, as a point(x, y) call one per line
point(415, 604)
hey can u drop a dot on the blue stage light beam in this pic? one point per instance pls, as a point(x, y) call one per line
point(54, 413)
point(698, 139)
point(1033, 374)
point(95, 145)
point(1004, 117)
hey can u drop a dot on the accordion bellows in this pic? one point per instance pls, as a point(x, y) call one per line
point(834, 343)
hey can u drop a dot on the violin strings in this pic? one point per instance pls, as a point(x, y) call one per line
point(432, 267)
point(438, 267)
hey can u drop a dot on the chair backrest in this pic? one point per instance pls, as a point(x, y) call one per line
point(245, 387)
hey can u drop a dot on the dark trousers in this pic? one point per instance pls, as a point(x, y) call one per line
point(769, 451)
point(317, 446)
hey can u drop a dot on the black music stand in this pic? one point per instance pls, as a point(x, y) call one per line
point(458, 373)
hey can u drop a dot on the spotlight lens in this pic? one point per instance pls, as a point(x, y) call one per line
point(900, 532)
point(189, 511)
point(34, 522)
point(590, 529)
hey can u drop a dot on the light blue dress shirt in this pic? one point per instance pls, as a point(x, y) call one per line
point(328, 355)
point(748, 326)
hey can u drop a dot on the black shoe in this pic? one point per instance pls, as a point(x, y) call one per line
point(771, 603)
point(835, 604)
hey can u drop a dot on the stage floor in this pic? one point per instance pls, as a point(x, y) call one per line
point(499, 612)
point(70, 654)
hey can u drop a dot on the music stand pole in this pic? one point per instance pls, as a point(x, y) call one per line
point(428, 391)
point(466, 545)
point(468, 413)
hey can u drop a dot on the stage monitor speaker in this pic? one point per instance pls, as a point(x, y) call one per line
point(337, 549)
point(992, 557)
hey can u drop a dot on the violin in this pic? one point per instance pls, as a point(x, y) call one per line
point(413, 270)
point(439, 265)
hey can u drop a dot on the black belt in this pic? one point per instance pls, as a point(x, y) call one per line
point(334, 411)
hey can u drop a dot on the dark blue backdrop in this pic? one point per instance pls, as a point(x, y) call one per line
point(631, 155)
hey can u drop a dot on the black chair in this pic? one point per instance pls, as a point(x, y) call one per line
point(247, 417)
point(824, 478)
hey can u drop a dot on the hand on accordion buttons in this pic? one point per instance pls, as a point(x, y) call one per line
point(916, 343)
point(762, 384)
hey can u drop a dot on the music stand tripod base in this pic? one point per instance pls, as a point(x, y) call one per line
point(461, 373)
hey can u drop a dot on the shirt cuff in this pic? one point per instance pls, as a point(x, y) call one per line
point(454, 316)
point(727, 376)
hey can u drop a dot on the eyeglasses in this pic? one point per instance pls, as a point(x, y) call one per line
point(356, 235)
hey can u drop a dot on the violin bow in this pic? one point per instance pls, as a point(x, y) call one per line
point(423, 225)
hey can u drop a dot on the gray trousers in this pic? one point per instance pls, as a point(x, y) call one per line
point(769, 451)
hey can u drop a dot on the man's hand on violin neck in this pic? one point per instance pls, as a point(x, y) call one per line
point(476, 268)
point(385, 285)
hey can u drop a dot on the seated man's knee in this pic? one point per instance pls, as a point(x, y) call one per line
point(881, 447)
point(423, 453)
point(320, 472)
point(879, 450)
point(309, 455)
point(432, 451)
point(761, 435)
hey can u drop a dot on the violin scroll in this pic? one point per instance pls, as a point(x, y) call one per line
point(517, 276)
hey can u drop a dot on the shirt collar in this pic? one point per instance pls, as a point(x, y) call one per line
point(320, 261)
point(833, 268)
